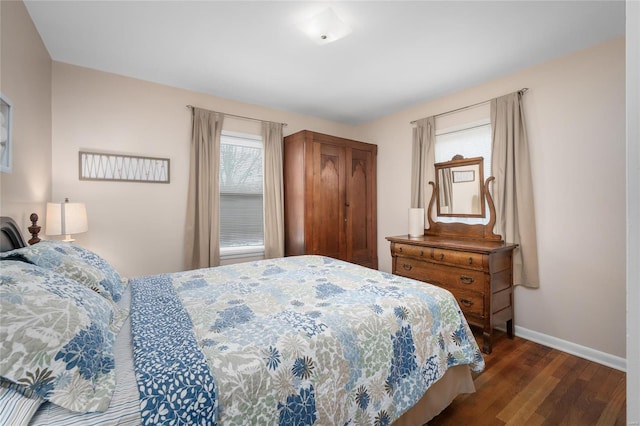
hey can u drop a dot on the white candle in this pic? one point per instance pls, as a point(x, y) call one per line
point(416, 222)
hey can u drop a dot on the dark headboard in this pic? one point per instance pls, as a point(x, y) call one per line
point(10, 235)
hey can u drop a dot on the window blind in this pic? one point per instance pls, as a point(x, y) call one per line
point(241, 203)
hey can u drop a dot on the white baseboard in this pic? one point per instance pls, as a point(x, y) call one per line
point(572, 348)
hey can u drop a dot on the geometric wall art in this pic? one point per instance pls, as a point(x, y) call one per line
point(125, 168)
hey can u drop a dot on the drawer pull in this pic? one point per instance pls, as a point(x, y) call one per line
point(407, 266)
point(441, 256)
point(466, 279)
point(399, 249)
point(421, 253)
point(470, 260)
point(466, 302)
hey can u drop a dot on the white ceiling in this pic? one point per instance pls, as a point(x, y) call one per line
point(398, 53)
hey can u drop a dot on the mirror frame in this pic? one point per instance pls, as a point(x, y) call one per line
point(460, 161)
point(463, 231)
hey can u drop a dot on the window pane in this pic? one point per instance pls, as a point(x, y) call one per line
point(241, 206)
point(473, 142)
point(240, 167)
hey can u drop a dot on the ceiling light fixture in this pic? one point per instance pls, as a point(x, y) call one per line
point(325, 27)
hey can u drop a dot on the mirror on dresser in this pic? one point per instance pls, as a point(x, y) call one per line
point(467, 259)
point(460, 182)
point(461, 205)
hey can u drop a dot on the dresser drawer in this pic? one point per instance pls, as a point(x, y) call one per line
point(453, 277)
point(470, 302)
point(459, 258)
point(411, 268)
point(407, 250)
point(443, 275)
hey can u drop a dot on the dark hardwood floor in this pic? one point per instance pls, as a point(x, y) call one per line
point(525, 383)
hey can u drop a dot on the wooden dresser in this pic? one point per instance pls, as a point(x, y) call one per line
point(467, 259)
point(478, 273)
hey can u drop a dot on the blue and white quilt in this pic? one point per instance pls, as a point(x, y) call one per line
point(304, 340)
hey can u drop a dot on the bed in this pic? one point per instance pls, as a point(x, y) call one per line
point(296, 340)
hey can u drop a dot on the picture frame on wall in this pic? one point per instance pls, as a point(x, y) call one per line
point(124, 168)
point(464, 176)
point(6, 147)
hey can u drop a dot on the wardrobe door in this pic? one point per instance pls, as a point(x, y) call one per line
point(361, 205)
point(327, 216)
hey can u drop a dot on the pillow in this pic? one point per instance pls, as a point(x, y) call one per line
point(17, 404)
point(55, 337)
point(73, 262)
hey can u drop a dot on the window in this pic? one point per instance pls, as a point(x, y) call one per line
point(241, 206)
point(470, 140)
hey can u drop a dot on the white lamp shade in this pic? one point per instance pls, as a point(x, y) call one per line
point(66, 219)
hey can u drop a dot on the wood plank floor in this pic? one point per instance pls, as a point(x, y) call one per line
point(525, 383)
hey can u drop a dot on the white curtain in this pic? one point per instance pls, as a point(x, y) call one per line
point(273, 190)
point(513, 189)
point(423, 159)
point(202, 234)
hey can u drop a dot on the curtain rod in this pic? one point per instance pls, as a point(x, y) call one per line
point(521, 91)
point(241, 116)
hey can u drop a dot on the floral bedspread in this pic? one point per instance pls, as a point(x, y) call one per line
point(304, 340)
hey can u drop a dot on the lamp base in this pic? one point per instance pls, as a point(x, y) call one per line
point(68, 239)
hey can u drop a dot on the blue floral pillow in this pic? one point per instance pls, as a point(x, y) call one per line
point(73, 262)
point(56, 338)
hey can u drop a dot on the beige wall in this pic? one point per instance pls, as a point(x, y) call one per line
point(575, 111)
point(25, 79)
point(139, 227)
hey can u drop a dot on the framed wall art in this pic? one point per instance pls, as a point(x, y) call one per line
point(464, 176)
point(126, 168)
point(6, 147)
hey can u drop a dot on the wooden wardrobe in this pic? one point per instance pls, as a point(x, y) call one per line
point(330, 197)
